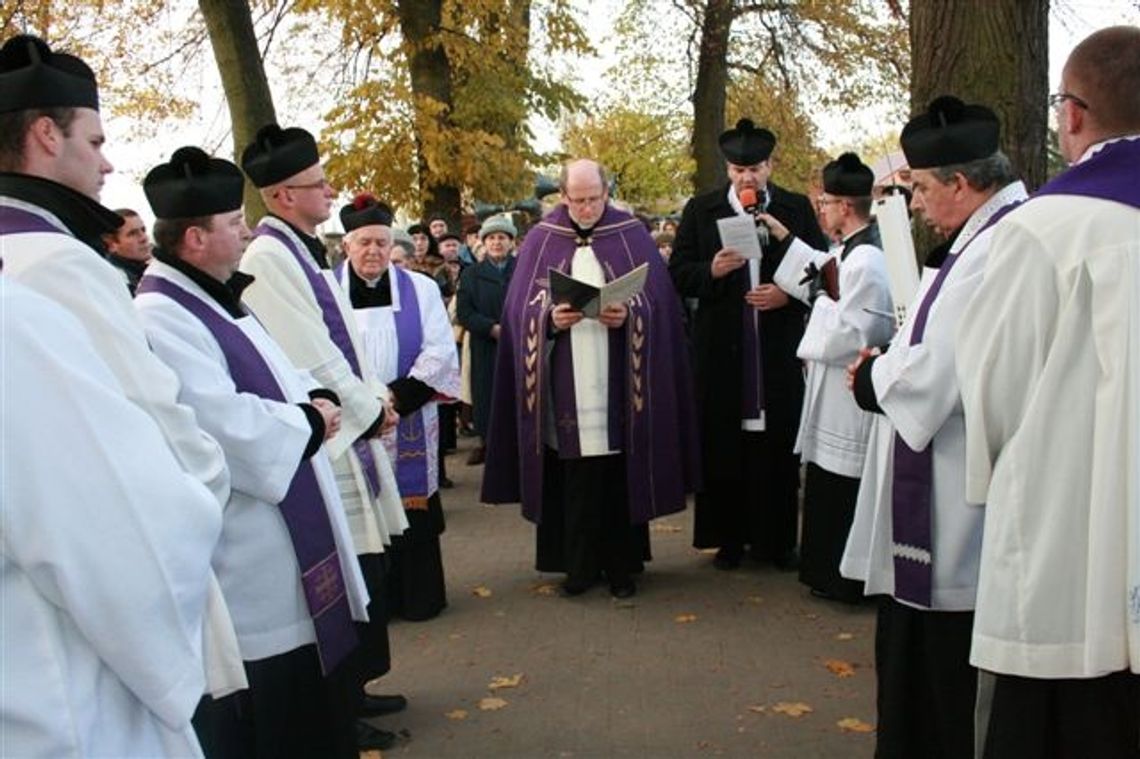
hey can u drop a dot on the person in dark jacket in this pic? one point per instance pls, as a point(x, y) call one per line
point(482, 288)
point(750, 385)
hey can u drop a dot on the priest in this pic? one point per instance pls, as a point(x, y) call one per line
point(592, 420)
point(750, 384)
point(851, 309)
point(915, 538)
point(298, 300)
point(1049, 362)
point(407, 341)
point(286, 561)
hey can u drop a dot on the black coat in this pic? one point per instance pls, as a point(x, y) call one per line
point(482, 288)
point(718, 325)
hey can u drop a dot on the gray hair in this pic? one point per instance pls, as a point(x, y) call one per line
point(993, 172)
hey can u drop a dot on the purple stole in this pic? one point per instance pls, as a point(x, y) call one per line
point(914, 470)
point(338, 332)
point(303, 506)
point(752, 391)
point(17, 221)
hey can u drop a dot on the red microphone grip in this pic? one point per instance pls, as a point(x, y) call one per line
point(748, 197)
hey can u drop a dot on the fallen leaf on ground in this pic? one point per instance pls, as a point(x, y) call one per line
point(839, 668)
point(482, 591)
point(792, 708)
point(491, 704)
point(664, 528)
point(853, 725)
point(755, 599)
point(545, 589)
point(685, 618)
point(844, 636)
point(457, 714)
point(758, 708)
point(371, 755)
point(502, 681)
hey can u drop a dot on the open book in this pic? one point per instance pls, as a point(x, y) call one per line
point(589, 299)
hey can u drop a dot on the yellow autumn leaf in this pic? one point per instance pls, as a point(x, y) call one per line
point(503, 681)
point(491, 704)
point(844, 636)
point(545, 589)
point(456, 714)
point(755, 599)
point(683, 619)
point(665, 528)
point(481, 591)
point(839, 668)
point(853, 725)
point(758, 708)
point(792, 708)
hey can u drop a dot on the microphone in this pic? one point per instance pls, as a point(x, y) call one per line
point(751, 203)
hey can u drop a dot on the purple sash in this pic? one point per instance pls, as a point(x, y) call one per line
point(411, 440)
point(303, 507)
point(1110, 174)
point(338, 332)
point(17, 221)
point(914, 470)
point(752, 395)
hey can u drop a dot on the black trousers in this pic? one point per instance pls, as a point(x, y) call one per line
point(927, 687)
point(585, 528)
point(829, 509)
point(1054, 719)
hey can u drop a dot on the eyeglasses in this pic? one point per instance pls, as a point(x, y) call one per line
point(320, 184)
point(589, 201)
point(821, 202)
point(1057, 98)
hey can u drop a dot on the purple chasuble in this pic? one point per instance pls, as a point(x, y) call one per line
point(303, 507)
point(338, 332)
point(651, 409)
point(17, 221)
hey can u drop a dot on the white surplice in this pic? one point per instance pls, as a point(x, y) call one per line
point(1049, 361)
point(436, 365)
point(833, 429)
point(917, 389)
point(105, 563)
point(60, 267)
point(285, 303)
point(263, 441)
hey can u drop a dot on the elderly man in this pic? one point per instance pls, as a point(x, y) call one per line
point(915, 538)
point(850, 310)
point(285, 561)
point(750, 383)
point(1049, 364)
point(300, 303)
point(51, 225)
point(409, 345)
point(128, 248)
point(591, 423)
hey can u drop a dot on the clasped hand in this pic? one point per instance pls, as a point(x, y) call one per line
point(563, 316)
point(330, 413)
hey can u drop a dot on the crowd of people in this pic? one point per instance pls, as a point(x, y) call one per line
point(258, 424)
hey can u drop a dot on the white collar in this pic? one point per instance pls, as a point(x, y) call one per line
point(1012, 192)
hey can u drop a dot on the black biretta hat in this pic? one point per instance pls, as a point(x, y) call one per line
point(950, 132)
point(193, 184)
point(276, 154)
point(365, 210)
point(746, 144)
point(848, 177)
point(32, 76)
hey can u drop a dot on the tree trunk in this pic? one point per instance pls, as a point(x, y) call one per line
point(994, 52)
point(710, 93)
point(431, 88)
point(250, 101)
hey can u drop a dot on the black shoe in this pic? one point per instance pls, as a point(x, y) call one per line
point(446, 483)
point(623, 588)
point(571, 587)
point(478, 455)
point(374, 706)
point(789, 561)
point(728, 557)
point(369, 738)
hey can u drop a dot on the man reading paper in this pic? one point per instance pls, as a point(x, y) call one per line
point(591, 424)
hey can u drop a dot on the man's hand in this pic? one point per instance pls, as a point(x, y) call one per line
point(613, 315)
point(563, 316)
point(726, 261)
point(766, 297)
point(495, 332)
point(778, 230)
point(391, 417)
point(330, 413)
point(853, 367)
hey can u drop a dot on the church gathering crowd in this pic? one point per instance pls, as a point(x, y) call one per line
point(224, 454)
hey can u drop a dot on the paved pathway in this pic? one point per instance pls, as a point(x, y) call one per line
point(699, 663)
